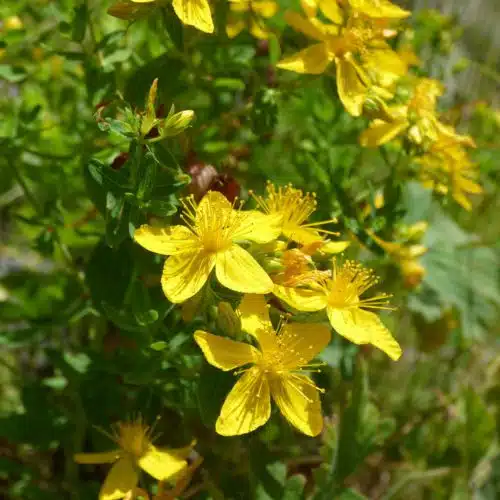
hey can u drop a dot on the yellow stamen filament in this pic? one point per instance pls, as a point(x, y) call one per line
point(215, 226)
point(293, 205)
point(349, 282)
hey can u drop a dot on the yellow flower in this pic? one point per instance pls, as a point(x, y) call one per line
point(340, 295)
point(192, 12)
point(293, 207)
point(379, 9)
point(405, 255)
point(447, 167)
point(418, 119)
point(247, 13)
point(208, 241)
point(355, 44)
point(136, 451)
point(276, 370)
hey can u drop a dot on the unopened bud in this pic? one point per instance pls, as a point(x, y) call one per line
point(413, 272)
point(416, 231)
point(176, 123)
point(13, 23)
point(227, 320)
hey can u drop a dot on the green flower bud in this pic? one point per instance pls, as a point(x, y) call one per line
point(175, 123)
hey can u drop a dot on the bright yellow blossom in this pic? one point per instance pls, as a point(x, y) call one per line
point(135, 451)
point(356, 44)
point(248, 13)
point(276, 370)
point(340, 295)
point(208, 241)
point(406, 256)
point(192, 12)
point(418, 119)
point(379, 9)
point(446, 167)
point(294, 207)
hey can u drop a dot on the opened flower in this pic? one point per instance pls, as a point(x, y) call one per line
point(418, 119)
point(277, 369)
point(446, 167)
point(248, 14)
point(293, 207)
point(340, 296)
point(192, 12)
point(135, 451)
point(208, 241)
point(357, 46)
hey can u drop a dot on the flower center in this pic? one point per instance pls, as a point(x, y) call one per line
point(214, 223)
point(133, 437)
point(348, 283)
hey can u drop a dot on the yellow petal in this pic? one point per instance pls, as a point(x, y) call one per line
point(161, 464)
point(258, 30)
point(305, 341)
point(212, 202)
point(350, 86)
point(224, 353)
point(195, 13)
point(239, 5)
point(379, 9)
point(234, 28)
point(300, 298)
point(120, 480)
point(386, 65)
point(256, 226)
point(255, 320)
point(312, 60)
point(247, 406)
point(237, 270)
point(310, 7)
point(303, 25)
point(298, 401)
point(332, 10)
point(380, 132)
point(302, 235)
point(105, 457)
point(364, 327)
point(332, 247)
point(184, 275)
point(265, 8)
point(171, 240)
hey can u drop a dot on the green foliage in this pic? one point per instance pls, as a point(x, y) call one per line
point(90, 153)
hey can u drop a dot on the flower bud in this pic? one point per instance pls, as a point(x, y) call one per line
point(13, 23)
point(416, 231)
point(413, 272)
point(227, 320)
point(176, 123)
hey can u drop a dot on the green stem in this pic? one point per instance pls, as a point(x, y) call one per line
point(26, 190)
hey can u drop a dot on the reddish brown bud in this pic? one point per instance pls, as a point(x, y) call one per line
point(227, 185)
point(119, 161)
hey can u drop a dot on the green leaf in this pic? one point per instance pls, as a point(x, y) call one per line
point(108, 274)
point(174, 27)
point(229, 84)
point(213, 387)
point(13, 74)
point(109, 179)
point(146, 176)
point(161, 345)
point(80, 22)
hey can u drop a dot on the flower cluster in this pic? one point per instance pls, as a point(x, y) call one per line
point(372, 79)
point(273, 251)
